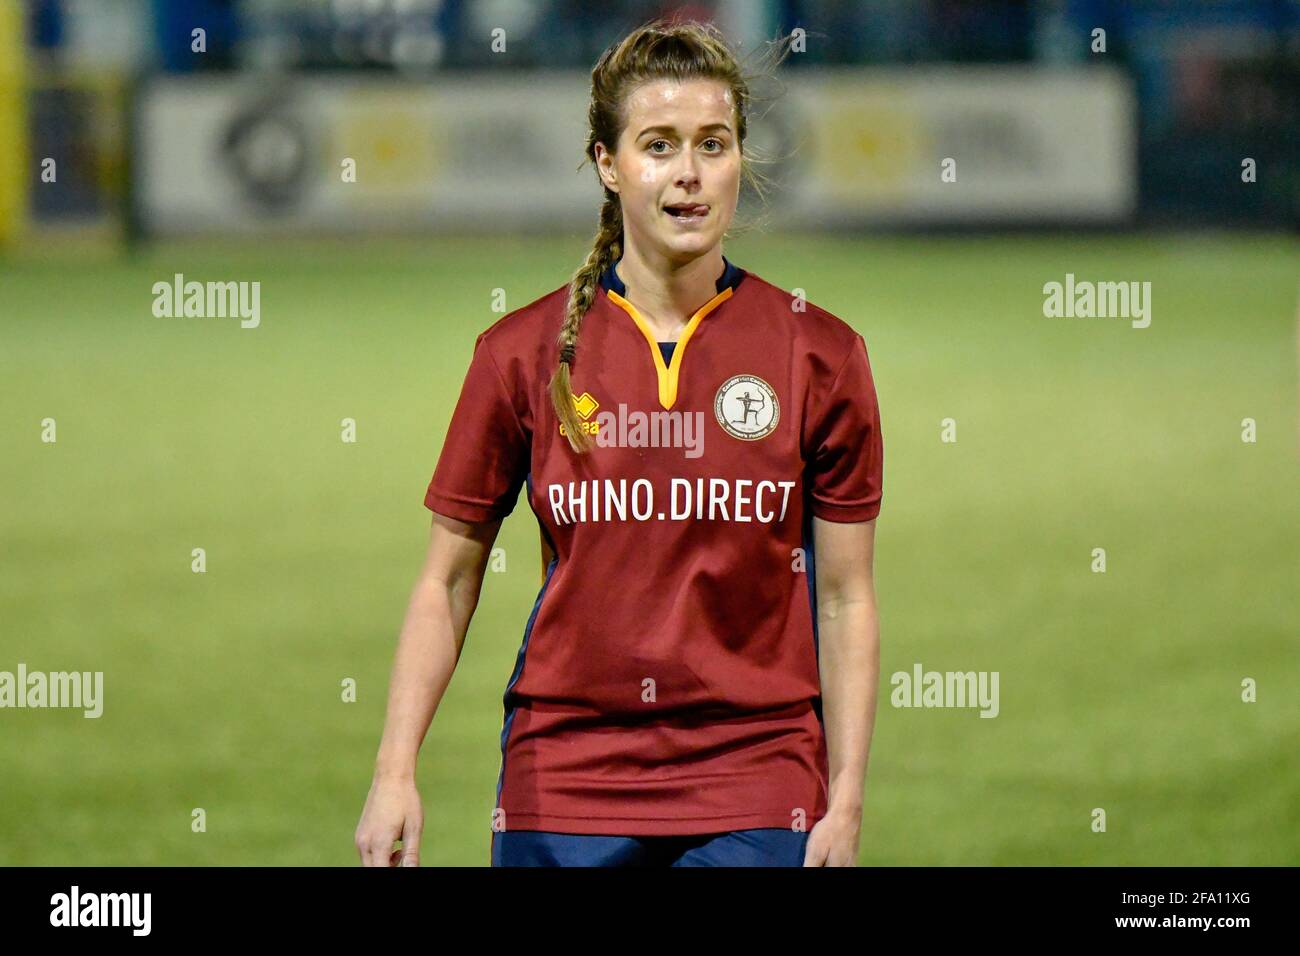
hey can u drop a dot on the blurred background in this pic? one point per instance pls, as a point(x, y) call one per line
point(212, 116)
point(385, 168)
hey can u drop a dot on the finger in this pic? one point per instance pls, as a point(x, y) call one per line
point(375, 849)
point(376, 854)
point(363, 848)
point(411, 843)
point(815, 854)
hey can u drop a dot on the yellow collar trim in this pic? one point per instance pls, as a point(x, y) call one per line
point(668, 375)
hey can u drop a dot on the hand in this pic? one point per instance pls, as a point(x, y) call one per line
point(834, 839)
point(392, 813)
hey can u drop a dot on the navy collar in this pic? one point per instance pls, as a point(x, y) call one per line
point(731, 277)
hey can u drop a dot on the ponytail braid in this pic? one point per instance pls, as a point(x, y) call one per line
point(584, 285)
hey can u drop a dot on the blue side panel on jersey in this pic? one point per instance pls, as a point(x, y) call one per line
point(806, 543)
point(514, 676)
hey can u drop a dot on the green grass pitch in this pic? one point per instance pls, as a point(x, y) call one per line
point(1119, 691)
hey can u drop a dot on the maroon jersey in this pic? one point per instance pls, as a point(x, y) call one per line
point(668, 678)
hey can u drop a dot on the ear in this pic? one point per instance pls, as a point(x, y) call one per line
point(606, 168)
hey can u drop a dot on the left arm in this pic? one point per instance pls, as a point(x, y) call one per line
point(848, 628)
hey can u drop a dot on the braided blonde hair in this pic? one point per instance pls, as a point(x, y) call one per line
point(659, 49)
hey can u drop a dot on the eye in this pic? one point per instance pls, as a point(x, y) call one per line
point(719, 145)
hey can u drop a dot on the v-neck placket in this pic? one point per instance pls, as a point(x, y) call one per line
point(669, 374)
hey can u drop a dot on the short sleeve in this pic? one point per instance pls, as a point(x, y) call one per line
point(485, 458)
point(845, 470)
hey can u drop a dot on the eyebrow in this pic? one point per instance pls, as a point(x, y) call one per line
point(673, 129)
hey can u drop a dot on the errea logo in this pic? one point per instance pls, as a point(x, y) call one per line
point(585, 405)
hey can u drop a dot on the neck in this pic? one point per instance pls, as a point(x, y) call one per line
point(667, 293)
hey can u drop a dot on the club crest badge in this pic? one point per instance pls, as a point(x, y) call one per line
point(746, 407)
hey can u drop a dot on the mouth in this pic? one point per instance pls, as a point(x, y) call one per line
point(687, 212)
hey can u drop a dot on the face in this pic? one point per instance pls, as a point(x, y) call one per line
point(678, 148)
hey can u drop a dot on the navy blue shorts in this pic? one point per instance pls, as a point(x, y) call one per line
point(762, 847)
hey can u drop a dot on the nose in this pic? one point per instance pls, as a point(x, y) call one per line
point(687, 172)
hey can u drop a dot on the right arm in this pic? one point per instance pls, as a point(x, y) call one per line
point(433, 633)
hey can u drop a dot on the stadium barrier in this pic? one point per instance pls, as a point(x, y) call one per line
point(942, 146)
